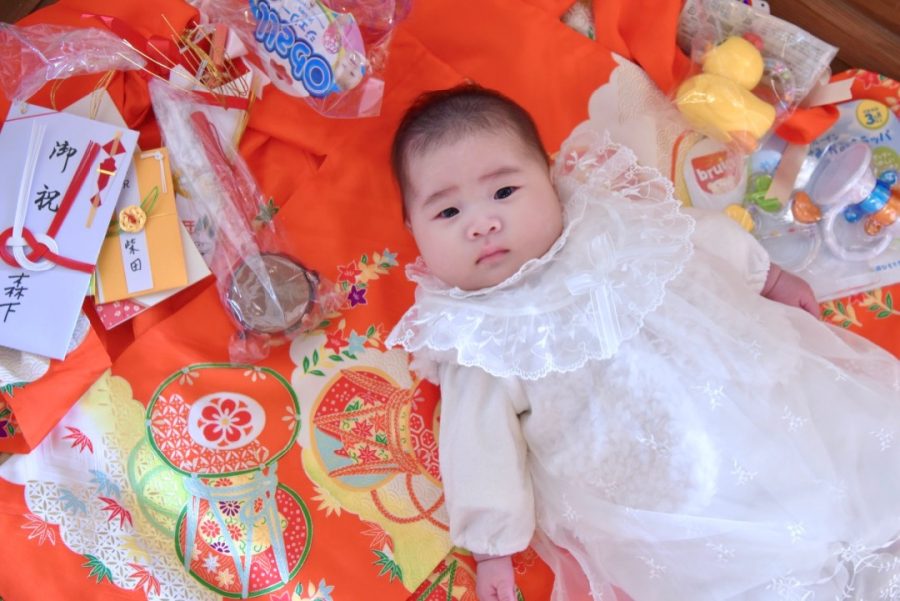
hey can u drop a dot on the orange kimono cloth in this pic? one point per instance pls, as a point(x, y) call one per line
point(119, 502)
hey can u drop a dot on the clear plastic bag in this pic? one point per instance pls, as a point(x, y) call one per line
point(840, 229)
point(859, 206)
point(35, 54)
point(330, 53)
point(270, 296)
point(752, 70)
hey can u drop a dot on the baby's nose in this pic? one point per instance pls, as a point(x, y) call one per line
point(484, 226)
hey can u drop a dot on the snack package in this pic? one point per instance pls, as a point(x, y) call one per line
point(752, 70)
point(35, 54)
point(330, 53)
point(271, 296)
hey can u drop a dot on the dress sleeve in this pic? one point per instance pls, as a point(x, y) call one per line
point(483, 459)
point(719, 235)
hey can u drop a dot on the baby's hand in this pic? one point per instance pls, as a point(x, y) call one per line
point(495, 580)
point(788, 289)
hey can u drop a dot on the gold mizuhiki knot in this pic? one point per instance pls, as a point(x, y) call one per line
point(132, 219)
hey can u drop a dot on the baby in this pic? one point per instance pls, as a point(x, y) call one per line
point(619, 388)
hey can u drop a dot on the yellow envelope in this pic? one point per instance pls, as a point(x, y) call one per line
point(151, 260)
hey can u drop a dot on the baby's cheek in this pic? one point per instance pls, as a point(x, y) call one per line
point(551, 227)
point(442, 257)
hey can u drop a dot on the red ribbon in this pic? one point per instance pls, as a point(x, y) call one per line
point(38, 251)
point(107, 167)
point(74, 187)
point(42, 251)
point(807, 124)
point(218, 160)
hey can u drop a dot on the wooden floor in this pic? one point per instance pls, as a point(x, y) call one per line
point(13, 10)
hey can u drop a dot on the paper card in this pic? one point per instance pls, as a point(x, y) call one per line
point(39, 303)
point(118, 312)
point(97, 106)
point(151, 260)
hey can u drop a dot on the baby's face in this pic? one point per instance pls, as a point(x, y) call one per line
point(480, 207)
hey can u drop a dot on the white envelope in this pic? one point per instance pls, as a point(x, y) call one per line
point(38, 309)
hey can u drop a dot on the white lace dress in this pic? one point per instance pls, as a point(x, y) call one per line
point(633, 397)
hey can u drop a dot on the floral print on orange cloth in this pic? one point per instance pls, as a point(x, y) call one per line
point(369, 438)
point(225, 421)
point(7, 421)
point(224, 432)
point(212, 562)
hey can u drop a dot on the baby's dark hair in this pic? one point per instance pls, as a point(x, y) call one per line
point(443, 116)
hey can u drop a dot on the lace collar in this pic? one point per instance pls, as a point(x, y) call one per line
point(624, 240)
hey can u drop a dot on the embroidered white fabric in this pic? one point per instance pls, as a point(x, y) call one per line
point(526, 328)
point(637, 114)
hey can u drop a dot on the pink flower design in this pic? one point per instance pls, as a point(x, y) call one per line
point(348, 272)
point(236, 533)
point(367, 455)
point(363, 429)
point(222, 420)
point(209, 529)
point(335, 341)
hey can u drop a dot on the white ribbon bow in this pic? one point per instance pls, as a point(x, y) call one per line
point(596, 282)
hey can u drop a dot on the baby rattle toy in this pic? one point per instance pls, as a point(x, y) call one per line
point(845, 185)
point(719, 102)
point(880, 207)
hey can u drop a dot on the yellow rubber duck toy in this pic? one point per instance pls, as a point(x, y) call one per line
point(719, 103)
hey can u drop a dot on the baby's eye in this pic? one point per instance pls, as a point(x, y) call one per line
point(504, 192)
point(447, 213)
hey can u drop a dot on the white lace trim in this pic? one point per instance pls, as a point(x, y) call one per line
point(624, 240)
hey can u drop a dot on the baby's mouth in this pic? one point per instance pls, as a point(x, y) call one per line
point(490, 254)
